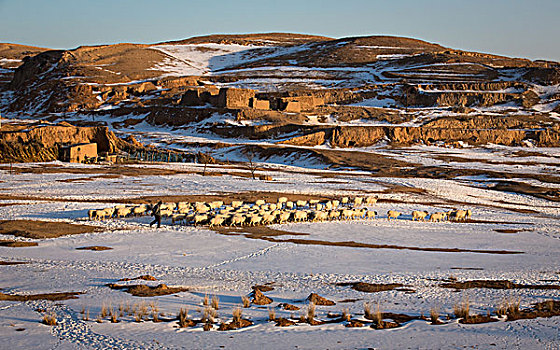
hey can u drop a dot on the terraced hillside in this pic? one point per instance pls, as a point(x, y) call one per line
point(290, 89)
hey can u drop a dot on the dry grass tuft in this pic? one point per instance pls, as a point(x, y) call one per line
point(209, 315)
point(50, 319)
point(508, 307)
point(346, 315)
point(114, 317)
point(215, 302)
point(85, 316)
point(183, 317)
point(462, 310)
point(310, 312)
point(237, 315)
point(246, 301)
point(434, 315)
point(104, 310)
point(206, 300)
point(271, 314)
point(154, 311)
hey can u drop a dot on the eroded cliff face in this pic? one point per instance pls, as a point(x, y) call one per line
point(41, 143)
point(364, 136)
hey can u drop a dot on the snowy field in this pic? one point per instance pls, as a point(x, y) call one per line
point(308, 258)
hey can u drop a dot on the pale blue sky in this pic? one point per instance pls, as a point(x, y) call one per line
point(509, 27)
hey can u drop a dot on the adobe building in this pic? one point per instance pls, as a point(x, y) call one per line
point(78, 153)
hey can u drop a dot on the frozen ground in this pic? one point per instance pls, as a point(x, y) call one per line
point(208, 262)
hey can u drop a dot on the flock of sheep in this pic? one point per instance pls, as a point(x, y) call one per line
point(260, 212)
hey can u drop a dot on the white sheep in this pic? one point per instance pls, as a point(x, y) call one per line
point(236, 204)
point(334, 214)
point(217, 220)
point(238, 219)
point(268, 218)
point(255, 220)
point(177, 218)
point(92, 214)
point(200, 218)
point(215, 204)
point(335, 203)
point(419, 215)
point(282, 200)
point(290, 205)
point(301, 203)
point(122, 212)
point(358, 201)
point(260, 202)
point(358, 213)
point(371, 214)
point(320, 216)
point(438, 216)
point(284, 217)
point(393, 214)
point(300, 215)
point(345, 200)
point(347, 214)
point(371, 200)
point(313, 201)
point(459, 215)
point(319, 207)
point(139, 210)
point(328, 205)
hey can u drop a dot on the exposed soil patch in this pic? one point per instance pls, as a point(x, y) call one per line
point(550, 194)
point(354, 324)
point(262, 288)
point(353, 244)
point(495, 284)
point(505, 230)
point(141, 290)
point(16, 244)
point(547, 308)
point(289, 307)
point(233, 325)
point(370, 287)
point(268, 234)
point(47, 296)
point(143, 278)
point(94, 248)
point(260, 299)
point(284, 322)
point(477, 319)
point(13, 262)
point(319, 300)
point(42, 229)
point(82, 179)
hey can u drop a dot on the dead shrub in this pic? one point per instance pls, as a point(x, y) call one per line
point(206, 300)
point(50, 319)
point(246, 301)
